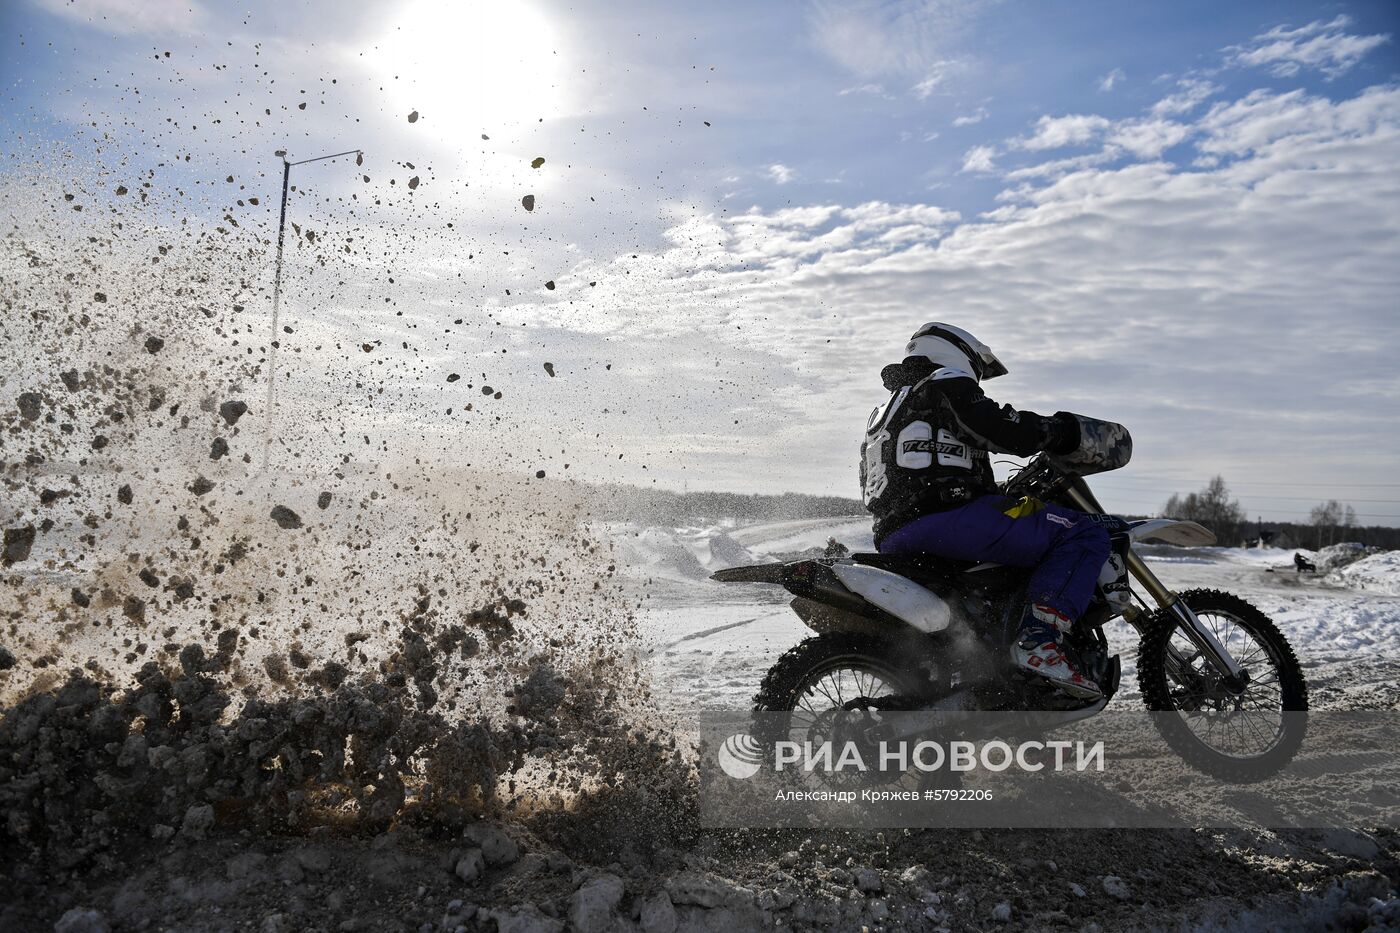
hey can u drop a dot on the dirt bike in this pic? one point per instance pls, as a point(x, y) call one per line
point(899, 632)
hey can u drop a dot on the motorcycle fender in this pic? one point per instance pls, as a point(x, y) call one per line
point(899, 596)
point(1186, 534)
point(755, 573)
point(823, 618)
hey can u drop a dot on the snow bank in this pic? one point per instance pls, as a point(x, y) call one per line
point(785, 538)
point(678, 553)
point(695, 552)
point(1337, 556)
point(1379, 573)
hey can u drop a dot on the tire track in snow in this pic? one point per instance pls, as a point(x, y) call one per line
point(704, 633)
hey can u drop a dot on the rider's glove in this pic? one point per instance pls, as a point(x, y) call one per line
point(1064, 433)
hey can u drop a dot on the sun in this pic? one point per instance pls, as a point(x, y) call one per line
point(473, 67)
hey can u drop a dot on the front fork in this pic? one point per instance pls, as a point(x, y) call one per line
point(1201, 636)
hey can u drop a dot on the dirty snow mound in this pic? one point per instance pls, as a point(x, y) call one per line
point(1379, 573)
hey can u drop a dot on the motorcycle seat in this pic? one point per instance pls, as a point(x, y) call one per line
point(930, 569)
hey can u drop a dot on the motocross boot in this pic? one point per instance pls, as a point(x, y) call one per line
point(1038, 651)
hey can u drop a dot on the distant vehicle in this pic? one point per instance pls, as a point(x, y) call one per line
point(1303, 565)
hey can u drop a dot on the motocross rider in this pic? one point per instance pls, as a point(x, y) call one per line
point(927, 479)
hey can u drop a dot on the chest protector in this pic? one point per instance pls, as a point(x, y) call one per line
point(913, 462)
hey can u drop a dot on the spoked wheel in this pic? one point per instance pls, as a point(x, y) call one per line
point(838, 671)
point(1236, 732)
point(833, 688)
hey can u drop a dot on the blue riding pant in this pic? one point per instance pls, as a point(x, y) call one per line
point(1066, 548)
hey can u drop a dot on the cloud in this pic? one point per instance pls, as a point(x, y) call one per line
point(875, 215)
point(979, 159)
point(968, 119)
point(870, 38)
point(1108, 81)
point(1295, 123)
point(152, 17)
point(1182, 302)
point(1190, 94)
point(1147, 139)
point(1057, 167)
point(780, 173)
point(1057, 132)
point(876, 89)
point(937, 76)
point(1325, 46)
point(1139, 138)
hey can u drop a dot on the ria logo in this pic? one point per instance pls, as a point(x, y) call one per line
point(740, 756)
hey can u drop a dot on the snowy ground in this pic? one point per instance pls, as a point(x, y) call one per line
point(710, 643)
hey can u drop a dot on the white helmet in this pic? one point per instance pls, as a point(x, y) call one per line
point(946, 345)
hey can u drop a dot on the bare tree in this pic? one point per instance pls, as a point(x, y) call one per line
point(1328, 517)
point(1324, 517)
point(1213, 507)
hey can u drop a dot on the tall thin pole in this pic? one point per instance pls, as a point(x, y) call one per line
point(277, 294)
point(276, 311)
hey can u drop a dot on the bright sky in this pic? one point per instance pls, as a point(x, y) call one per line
point(1182, 216)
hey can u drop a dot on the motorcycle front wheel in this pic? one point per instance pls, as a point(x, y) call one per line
point(1240, 734)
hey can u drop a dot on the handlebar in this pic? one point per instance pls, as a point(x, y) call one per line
point(1039, 478)
point(1044, 479)
point(1102, 446)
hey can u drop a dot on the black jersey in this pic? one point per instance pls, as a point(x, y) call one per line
point(926, 449)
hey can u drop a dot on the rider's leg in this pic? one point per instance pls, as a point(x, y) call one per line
point(1077, 547)
point(976, 531)
point(1059, 591)
point(1066, 548)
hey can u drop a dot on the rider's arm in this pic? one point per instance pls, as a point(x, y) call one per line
point(1000, 428)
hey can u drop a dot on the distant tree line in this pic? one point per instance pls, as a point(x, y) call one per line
point(663, 507)
point(1330, 522)
point(1214, 506)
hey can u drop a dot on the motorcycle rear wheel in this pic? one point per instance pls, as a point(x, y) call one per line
point(831, 688)
point(838, 670)
point(1267, 715)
